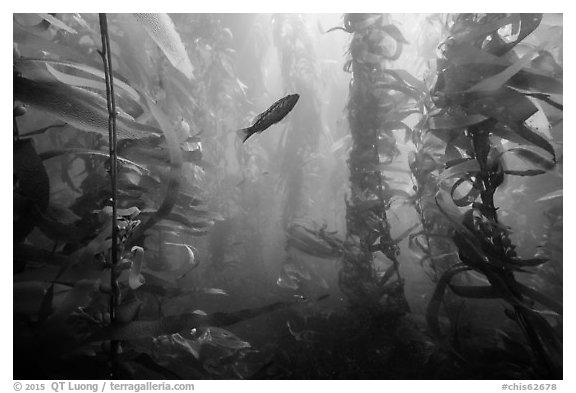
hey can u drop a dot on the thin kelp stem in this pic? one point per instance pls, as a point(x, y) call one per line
point(16, 135)
point(18, 111)
point(107, 59)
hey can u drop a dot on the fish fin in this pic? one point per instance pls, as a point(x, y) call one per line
point(244, 134)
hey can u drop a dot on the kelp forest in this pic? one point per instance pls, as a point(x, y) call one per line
point(287, 196)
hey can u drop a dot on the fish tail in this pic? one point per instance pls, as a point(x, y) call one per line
point(244, 133)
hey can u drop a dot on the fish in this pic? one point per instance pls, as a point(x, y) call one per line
point(270, 116)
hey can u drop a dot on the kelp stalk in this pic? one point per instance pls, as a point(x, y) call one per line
point(107, 59)
point(493, 109)
point(374, 93)
point(16, 132)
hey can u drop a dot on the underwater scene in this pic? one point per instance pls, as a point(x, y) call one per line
point(252, 196)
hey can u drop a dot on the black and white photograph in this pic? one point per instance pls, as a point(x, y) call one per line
point(203, 196)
